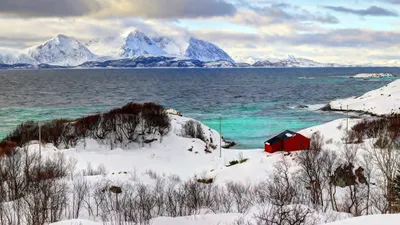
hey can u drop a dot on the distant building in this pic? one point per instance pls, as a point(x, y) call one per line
point(287, 141)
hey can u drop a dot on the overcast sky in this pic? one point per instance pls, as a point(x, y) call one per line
point(343, 31)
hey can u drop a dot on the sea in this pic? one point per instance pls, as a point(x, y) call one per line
point(252, 104)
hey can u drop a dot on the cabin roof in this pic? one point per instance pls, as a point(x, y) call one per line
point(287, 134)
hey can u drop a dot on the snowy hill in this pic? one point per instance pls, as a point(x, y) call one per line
point(61, 50)
point(392, 219)
point(10, 57)
point(382, 101)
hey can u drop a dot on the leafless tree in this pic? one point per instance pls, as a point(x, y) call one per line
point(80, 191)
point(387, 159)
point(312, 163)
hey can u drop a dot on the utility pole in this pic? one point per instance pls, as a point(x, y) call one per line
point(40, 145)
point(347, 126)
point(347, 118)
point(220, 136)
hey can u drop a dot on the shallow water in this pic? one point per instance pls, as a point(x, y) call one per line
point(254, 103)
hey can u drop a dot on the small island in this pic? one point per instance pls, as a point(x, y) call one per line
point(373, 75)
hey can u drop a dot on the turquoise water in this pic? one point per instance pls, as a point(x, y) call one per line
point(253, 103)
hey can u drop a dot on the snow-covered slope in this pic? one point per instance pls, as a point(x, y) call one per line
point(10, 56)
point(193, 48)
point(127, 45)
point(172, 46)
point(61, 50)
point(382, 101)
point(205, 51)
point(387, 219)
point(248, 60)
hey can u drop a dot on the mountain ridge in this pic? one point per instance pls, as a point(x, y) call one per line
point(65, 51)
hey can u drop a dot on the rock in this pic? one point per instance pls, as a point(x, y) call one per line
point(326, 108)
point(302, 107)
point(116, 190)
point(360, 175)
point(344, 176)
point(173, 112)
point(206, 181)
point(148, 141)
point(229, 144)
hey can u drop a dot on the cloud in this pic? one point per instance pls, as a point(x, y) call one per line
point(350, 38)
point(166, 9)
point(371, 11)
point(48, 8)
point(354, 39)
point(393, 1)
point(22, 33)
point(160, 9)
point(336, 45)
point(279, 14)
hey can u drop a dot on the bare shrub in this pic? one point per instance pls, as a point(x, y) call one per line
point(369, 128)
point(127, 123)
point(90, 171)
point(152, 174)
point(80, 192)
point(193, 129)
point(241, 195)
point(283, 215)
point(282, 199)
point(312, 164)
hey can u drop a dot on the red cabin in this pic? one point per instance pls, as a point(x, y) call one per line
point(288, 141)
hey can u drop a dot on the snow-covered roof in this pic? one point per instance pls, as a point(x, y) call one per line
point(281, 137)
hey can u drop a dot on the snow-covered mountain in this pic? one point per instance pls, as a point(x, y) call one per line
point(137, 43)
point(172, 46)
point(205, 51)
point(68, 52)
point(247, 60)
point(61, 50)
point(292, 61)
point(10, 56)
point(127, 45)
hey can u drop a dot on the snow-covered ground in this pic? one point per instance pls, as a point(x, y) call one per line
point(373, 75)
point(170, 156)
point(186, 157)
point(382, 101)
point(387, 219)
